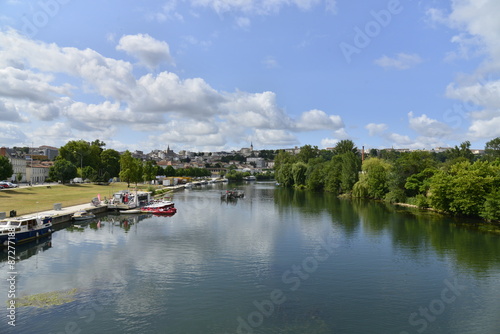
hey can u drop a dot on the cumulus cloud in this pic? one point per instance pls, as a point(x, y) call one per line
point(376, 129)
point(257, 110)
point(274, 137)
point(11, 135)
point(155, 104)
point(318, 120)
point(478, 32)
point(428, 127)
point(149, 51)
point(329, 142)
point(401, 61)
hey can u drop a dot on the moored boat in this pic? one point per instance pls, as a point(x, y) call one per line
point(83, 215)
point(162, 207)
point(21, 230)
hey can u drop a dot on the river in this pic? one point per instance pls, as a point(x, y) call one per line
point(276, 261)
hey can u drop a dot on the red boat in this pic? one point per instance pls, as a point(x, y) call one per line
point(160, 208)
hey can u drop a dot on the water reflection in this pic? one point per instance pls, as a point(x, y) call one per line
point(27, 250)
point(202, 269)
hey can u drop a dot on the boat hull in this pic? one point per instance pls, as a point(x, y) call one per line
point(23, 237)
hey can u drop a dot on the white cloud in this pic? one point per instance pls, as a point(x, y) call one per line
point(11, 135)
point(318, 120)
point(428, 127)
point(257, 110)
point(274, 137)
point(329, 142)
point(478, 32)
point(485, 129)
point(163, 105)
point(402, 61)
point(149, 51)
point(376, 129)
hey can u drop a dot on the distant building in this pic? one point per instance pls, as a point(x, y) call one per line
point(259, 162)
point(18, 161)
point(50, 152)
point(247, 151)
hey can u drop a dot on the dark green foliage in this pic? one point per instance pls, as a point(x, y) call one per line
point(351, 165)
point(299, 170)
point(462, 151)
point(345, 146)
point(491, 206)
point(6, 169)
point(395, 196)
point(63, 170)
point(492, 149)
point(464, 188)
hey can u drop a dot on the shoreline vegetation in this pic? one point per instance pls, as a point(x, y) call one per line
point(455, 182)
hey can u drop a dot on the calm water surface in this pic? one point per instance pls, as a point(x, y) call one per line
point(277, 261)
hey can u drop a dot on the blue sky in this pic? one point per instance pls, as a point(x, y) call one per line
point(219, 74)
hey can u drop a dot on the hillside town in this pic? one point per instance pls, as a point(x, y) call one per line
point(32, 164)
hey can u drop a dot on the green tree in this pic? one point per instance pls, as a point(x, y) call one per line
point(149, 170)
point(463, 151)
point(333, 174)
point(6, 169)
point(299, 170)
point(345, 146)
point(464, 188)
point(406, 165)
point(89, 173)
point(377, 172)
point(308, 152)
point(62, 170)
point(169, 171)
point(315, 175)
point(351, 166)
point(110, 164)
point(130, 168)
point(491, 207)
point(492, 149)
point(284, 175)
point(419, 183)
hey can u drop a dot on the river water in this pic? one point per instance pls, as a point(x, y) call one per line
point(276, 261)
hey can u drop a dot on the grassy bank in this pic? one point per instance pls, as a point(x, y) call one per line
point(41, 198)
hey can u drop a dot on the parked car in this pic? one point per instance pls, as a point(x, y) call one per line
point(6, 184)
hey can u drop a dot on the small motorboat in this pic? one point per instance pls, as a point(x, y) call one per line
point(21, 230)
point(160, 208)
point(82, 215)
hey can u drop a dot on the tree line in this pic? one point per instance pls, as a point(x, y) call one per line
point(455, 181)
point(91, 161)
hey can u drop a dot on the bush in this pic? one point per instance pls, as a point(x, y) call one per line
point(421, 201)
point(491, 207)
point(395, 196)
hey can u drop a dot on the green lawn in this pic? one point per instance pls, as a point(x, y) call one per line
point(41, 198)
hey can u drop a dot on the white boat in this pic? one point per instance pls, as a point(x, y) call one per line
point(20, 230)
point(83, 215)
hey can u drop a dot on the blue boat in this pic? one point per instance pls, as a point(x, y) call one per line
point(15, 231)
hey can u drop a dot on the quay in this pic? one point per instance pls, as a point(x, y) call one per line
point(62, 214)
